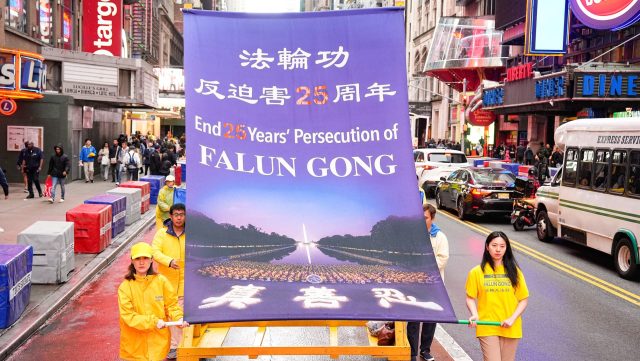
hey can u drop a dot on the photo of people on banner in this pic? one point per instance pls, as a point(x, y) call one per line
point(303, 200)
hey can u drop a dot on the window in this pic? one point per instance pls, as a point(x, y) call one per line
point(586, 167)
point(618, 171)
point(17, 17)
point(571, 167)
point(601, 173)
point(45, 20)
point(633, 186)
point(67, 24)
point(453, 176)
point(447, 158)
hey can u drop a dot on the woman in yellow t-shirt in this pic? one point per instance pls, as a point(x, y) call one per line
point(499, 288)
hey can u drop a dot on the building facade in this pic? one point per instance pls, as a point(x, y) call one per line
point(98, 65)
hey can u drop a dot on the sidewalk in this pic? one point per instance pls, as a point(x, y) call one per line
point(16, 214)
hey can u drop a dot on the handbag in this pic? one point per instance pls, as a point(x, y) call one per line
point(48, 187)
point(113, 160)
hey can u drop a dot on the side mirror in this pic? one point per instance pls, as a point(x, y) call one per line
point(443, 179)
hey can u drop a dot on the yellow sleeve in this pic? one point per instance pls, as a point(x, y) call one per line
point(162, 200)
point(522, 291)
point(128, 313)
point(171, 307)
point(471, 286)
point(156, 244)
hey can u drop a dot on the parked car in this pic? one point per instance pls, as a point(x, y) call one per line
point(432, 164)
point(478, 191)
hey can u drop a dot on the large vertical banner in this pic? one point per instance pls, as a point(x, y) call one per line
point(303, 201)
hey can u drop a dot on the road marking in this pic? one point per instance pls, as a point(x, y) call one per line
point(582, 275)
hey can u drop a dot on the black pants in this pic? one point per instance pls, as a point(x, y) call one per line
point(528, 161)
point(3, 183)
point(133, 174)
point(426, 337)
point(33, 178)
point(146, 169)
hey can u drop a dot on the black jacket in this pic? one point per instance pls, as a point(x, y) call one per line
point(155, 163)
point(59, 164)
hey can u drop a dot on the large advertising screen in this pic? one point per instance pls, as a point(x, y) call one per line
point(302, 201)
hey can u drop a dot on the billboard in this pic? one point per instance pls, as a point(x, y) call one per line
point(547, 27)
point(303, 202)
point(610, 14)
point(102, 27)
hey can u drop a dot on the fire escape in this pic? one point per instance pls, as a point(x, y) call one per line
point(145, 31)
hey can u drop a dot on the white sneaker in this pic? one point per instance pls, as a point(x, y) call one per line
point(51, 200)
point(61, 200)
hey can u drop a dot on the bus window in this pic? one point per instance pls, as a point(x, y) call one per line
point(586, 167)
point(571, 167)
point(633, 186)
point(618, 171)
point(601, 171)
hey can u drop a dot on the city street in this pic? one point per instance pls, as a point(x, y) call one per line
point(577, 302)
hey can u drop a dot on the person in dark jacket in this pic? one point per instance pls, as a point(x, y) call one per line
point(528, 156)
point(4, 184)
point(165, 167)
point(155, 161)
point(19, 163)
point(556, 157)
point(59, 167)
point(32, 165)
point(520, 153)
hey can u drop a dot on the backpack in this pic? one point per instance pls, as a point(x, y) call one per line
point(132, 161)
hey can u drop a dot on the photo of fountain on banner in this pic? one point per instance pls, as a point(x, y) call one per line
point(303, 202)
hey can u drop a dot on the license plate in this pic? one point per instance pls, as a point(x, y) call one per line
point(503, 195)
point(516, 213)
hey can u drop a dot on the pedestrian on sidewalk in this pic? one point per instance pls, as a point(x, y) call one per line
point(501, 293)
point(165, 201)
point(133, 163)
point(114, 151)
point(440, 246)
point(155, 162)
point(19, 163)
point(32, 164)
point(103, 160)
point(169, 251)
point(146, 156)
point(87, 157)
point(146, 301)
point(4, 184)
point(59, 167)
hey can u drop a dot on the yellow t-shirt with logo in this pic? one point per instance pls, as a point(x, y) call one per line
point(497, 299)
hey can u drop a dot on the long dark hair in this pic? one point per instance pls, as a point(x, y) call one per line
point(131, 272)
point(508, 260)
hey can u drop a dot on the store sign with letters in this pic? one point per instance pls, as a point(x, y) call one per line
point(22, 74)
point(606, 14)
point(609, 85)
point(102, 27)
point(86, 89)
point(482, 118)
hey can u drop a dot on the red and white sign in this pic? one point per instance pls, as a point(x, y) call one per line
point(606, 14)
point(482, 118)
point(520, 72)
point(102, 27)
point(8, 106)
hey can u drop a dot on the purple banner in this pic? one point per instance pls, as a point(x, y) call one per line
point(303, 201)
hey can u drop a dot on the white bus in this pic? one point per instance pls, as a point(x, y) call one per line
point(594, 200)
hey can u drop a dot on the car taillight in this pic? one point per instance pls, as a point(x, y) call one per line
point(477, 192)
point(428, 167)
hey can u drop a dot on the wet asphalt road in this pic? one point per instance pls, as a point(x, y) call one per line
point(568, 318)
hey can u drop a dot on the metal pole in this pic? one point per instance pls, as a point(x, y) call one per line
point(464, 115)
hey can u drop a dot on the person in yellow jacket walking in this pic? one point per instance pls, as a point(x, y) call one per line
point(165, 200)
point(168, 251)
point(146, 301)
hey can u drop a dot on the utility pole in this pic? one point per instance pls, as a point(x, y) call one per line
point(464, 115)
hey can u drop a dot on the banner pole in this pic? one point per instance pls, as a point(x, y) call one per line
point(481, 323)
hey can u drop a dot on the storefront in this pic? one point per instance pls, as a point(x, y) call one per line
point(420, 116)
point(84, 98)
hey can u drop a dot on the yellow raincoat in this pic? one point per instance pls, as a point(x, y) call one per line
point(165, 201)
point(168, 246)
point(142, 303)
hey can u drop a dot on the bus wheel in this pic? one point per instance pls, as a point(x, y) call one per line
point(624, 259)
point(543, 227)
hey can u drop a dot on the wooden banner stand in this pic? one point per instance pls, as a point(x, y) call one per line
point(206, 341)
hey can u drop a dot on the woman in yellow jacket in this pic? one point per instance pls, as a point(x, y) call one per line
point(165, 201)
point(146, 301)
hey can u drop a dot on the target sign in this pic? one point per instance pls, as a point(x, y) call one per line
point(606, 14)
point(8, 106)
